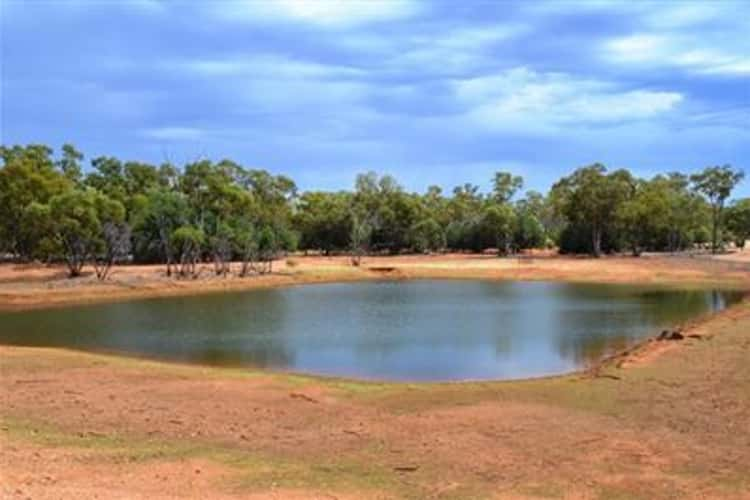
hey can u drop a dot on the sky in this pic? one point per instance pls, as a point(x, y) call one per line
point(435, 92)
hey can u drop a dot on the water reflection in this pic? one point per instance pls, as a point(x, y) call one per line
point(422, 330)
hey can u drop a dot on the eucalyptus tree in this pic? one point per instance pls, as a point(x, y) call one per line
point(70, 163)
point(108, 177)
point(245, 245)
point(505, 186)
point(738, 221)
point(188, 241)
point(220, 211)
point(716, 184)
point(165, 211)
point(269, 245)
point(541, 208)
point(114, 239)
point(77, 225)
point(360, 238)
point(427, 235)
point(27, 175)
point(643, 215)
point(497, 225)
point(323, 220)
point(464, 211)
point(379, 205)
point(589, 199)
point(528, 231)
point(435, 205)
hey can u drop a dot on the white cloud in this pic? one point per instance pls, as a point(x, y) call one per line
point(452, 51)
point(636, 48)
point(657, 14)
point(701, 37)
point(173, 133)
point(154, 6)
point(523, 100)
point(264, 66)
point(285, 96)
point(82, 6)
point(440, 50)
point(322, 13)
point(737, 117)
point(682, 51)
point(680, 14)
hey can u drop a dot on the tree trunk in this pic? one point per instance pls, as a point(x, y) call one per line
point(596, 241)
point(715, 232)
point(635, 248)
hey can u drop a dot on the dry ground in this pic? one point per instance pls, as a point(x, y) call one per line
point(668, 421)
point(35, 285)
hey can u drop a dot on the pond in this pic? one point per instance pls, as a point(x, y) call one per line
point(410, 330)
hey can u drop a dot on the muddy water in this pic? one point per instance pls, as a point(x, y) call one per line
point(416, 330)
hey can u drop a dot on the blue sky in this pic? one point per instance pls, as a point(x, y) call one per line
point(432, 92)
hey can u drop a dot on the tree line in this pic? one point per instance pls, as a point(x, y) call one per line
point(223, 213)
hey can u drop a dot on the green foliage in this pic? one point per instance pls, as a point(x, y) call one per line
point(361, 235)
point(529, 232)
point(589, 199)
point(108, 178)
point(427, 236)
point(186, 238)
point(77, 226)
point(222, 212)
point(162, 213)
point(642, 215)
point(28, 175)
point(716, 184)
point(70, 163)
point(324, 221)
point(188, 242)
point(497, 225)
point(505, 186)
point(738, 221)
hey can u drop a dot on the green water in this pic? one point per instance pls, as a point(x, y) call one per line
point(416, 330)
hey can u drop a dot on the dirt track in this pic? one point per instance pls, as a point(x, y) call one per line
point(672, 422)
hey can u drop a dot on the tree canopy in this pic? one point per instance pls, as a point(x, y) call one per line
point(56, 209)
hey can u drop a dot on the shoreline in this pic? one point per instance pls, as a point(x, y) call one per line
point(652, 420)
point(650, 425)
point(623, 358)
point(403, 268)
point(49, 288)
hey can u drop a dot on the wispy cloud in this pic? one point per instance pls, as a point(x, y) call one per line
point(659, 51)
point(661, 15)
point(339, 86)
point(648, 13)
point(451, 51)
point(524, 99)
point(174, 133)
point(321, 13)
point(263, 66)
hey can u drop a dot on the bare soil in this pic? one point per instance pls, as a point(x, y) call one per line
point(666, 420)
point(35, 285)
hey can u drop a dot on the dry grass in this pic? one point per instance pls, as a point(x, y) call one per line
point(23, 286)
point(661, 423)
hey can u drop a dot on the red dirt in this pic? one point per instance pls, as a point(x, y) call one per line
point(23, 286)
point(672, 421)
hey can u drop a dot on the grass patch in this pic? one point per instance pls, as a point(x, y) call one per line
point(251, 470)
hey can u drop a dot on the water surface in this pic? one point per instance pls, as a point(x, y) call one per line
point(415, 330)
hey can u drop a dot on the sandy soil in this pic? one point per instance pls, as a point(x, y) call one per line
point(668, 420)
point(23, 286)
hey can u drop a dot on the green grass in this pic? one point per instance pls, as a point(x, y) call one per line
point(252, 471)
